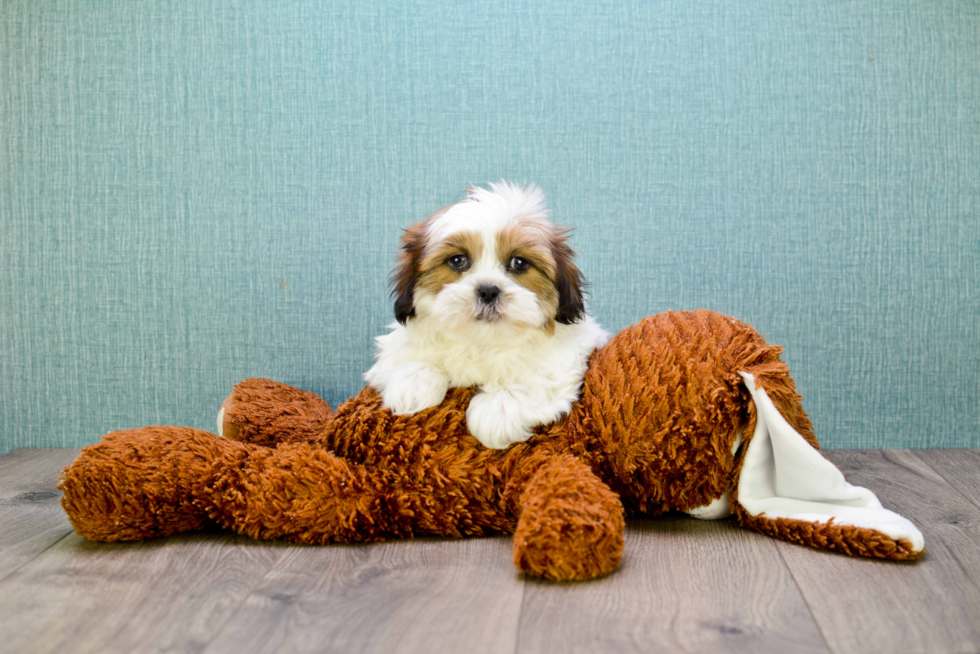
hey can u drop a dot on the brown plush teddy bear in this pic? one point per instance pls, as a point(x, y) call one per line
point(689, 412)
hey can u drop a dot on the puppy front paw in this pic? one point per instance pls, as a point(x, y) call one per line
point(496, 419)
point(414, 387)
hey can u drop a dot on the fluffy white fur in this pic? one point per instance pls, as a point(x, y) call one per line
point(528, 368)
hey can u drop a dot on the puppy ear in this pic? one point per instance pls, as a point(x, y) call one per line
point(405, 275)
point(569, 282)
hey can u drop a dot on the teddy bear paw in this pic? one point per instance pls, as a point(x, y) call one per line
point(264, 412)
point(227, 428)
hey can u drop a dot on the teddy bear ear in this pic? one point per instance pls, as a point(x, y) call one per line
point(406, 273)
point(788, 490)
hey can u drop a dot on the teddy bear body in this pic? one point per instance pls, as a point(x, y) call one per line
point(657, 428)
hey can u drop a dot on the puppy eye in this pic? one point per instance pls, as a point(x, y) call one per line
point(519, 265)
point(458, 262)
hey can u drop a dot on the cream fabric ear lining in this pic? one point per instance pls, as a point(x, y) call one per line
point(783, 476)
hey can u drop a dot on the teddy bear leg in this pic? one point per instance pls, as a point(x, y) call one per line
point(265, 412)
point(301, 492)
point(144, 483)
point(570, 524)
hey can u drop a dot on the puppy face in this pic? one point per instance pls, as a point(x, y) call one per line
point(492, 260)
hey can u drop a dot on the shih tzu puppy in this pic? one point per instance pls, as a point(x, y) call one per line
point(486, 295)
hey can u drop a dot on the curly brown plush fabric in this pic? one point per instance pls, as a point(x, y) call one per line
point(854, 541)
point(661, 408)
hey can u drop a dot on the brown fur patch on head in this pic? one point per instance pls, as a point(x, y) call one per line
point(406, 273)
point(434, 271)
point(534, 247)
point(552, 276)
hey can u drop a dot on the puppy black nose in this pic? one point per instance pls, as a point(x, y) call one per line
point(487, 293)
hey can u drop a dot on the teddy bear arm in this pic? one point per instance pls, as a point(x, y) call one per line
point(570, 524)
point(304, 493)
point(159, 481)
point(264, 412)
point(145, 483)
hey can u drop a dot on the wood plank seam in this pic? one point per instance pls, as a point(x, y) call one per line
point(799, 589)
point(40, 553)
point(231, 614)
point(951, 482)
point(520, 619)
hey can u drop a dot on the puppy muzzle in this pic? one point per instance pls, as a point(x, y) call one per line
point(488, 303)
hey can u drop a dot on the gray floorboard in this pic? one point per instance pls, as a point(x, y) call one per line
point(31, 520)
point(60, 593)
point(879, 606)
point(961, 468)
point(684, 585)
point(422, 596)
point(165, 595)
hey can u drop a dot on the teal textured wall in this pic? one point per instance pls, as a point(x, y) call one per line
point(196, 192)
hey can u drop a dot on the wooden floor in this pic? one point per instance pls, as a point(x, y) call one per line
point(685, 585)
